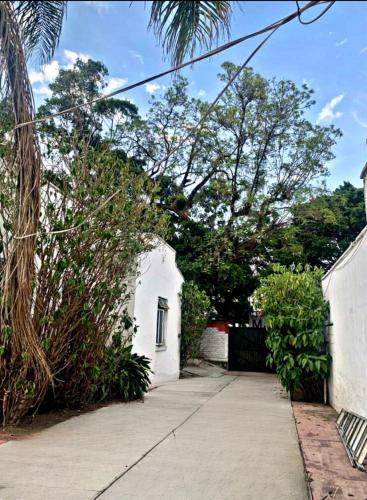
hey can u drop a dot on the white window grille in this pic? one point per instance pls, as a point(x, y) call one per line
point(161, 321)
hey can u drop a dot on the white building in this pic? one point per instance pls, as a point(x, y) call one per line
point(345, 288)
point(156, 307)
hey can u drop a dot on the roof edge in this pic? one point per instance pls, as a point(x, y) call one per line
point(346, 252)
point(163, 242)
point(364, 172)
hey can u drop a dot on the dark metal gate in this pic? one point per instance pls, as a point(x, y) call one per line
point(247, 350)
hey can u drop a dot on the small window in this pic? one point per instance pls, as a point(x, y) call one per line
point(161, 321)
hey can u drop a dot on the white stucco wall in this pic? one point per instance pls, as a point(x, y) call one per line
point(214, 345)
point(159, 277)
point(345, 288)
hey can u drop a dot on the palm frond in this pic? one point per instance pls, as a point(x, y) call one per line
point(41, 23)
point(182, 27)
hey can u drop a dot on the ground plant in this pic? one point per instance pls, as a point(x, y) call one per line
point(122, 374)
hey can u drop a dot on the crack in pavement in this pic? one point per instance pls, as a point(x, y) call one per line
point(171, 432)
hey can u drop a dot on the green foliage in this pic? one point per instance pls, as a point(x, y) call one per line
point(40, 24)
point(121, 374)
point(295, 313)
point(105, 122)
point(85, 272)
point(321, 229)
point(205, 256)
point(195, 310)
point(182, 26)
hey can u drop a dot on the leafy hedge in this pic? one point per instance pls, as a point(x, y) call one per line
point(196, 309)
point(295, 312)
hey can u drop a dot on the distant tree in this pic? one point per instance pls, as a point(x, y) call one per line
point(322, 228)
point(98, 126)
point(95, 123)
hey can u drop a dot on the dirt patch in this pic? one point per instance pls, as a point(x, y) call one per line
point(31, 425)
point(329, 471)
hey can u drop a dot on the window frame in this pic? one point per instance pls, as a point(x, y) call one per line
point(161, 326)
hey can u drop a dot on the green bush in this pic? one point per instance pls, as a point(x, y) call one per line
point(122, 374)
point(292, 302)
point(196, 310)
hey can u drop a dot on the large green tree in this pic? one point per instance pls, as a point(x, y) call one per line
point(234, 183)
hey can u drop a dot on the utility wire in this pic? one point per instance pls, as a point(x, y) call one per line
point(211, 53)
point(315, 18)
point(155, 168)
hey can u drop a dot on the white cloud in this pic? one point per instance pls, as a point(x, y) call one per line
point(48, 73)
point(358, 120)
point(327, 113)
point(137, 56)
point(363, 50)
point(342, 42)
point(101, 7)
point(201, 93)
point(51, 71)
point(71, 57)
point(151, 88)
point(44, 90)
point(36, 76)
point(113, 84)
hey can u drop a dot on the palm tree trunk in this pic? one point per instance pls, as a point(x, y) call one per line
point(24, 371)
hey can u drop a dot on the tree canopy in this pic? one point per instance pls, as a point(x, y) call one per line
point(321, 228)
point(235, 182)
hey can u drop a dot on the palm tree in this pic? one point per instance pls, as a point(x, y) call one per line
point(40, 24)
point(182, 27)
point(26, 28)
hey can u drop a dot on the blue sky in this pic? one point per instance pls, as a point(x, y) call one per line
point(330, 55)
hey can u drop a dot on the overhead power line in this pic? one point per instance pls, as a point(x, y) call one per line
point(155, 168)
point(315, 18)
point(174, 69)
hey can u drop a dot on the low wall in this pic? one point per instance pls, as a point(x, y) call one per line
point(214, 342)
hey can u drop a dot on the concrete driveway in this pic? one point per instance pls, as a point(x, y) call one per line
point(224, 438)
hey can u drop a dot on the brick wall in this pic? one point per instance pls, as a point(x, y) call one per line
point(214, 342)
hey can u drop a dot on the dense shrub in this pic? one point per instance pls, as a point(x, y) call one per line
point(292, 302)
point(196, 310)
point(122, 374)
point(81, 280)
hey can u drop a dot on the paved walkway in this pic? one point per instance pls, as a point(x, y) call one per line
point(226, 438)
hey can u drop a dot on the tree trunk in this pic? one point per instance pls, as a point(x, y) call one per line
point(24, 371)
